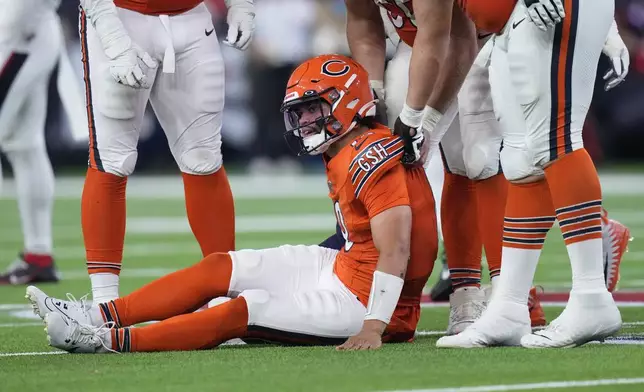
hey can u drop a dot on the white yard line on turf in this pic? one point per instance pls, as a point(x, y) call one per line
point(17, 325)
point(33, 353)
point(179, 225)
point(273, 186)
point(533, 386)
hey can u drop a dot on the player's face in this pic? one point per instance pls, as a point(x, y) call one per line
point(309, 117)
point(306, 122)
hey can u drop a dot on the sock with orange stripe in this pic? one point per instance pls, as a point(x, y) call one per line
point(529, 215)
point(103, 223)
point(461, 236)
point(576, 195)
point(195, 331)
point(491, 195)
point(190, 289)
point(211, 211)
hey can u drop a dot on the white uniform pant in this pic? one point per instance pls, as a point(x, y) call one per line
point(292, 294)
point(542, 83)
point(187, 92)
point(470, 142)
point(25, 70)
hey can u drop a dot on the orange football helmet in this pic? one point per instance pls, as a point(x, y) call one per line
point(326, 97)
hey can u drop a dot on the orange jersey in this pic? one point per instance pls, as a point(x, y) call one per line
point(488, 15)
point(158, 7)
point(365, 179)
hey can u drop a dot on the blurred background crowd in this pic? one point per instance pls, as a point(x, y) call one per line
point(289, 31)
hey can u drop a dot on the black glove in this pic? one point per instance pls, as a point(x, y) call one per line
point(413, 139)
point(381, 109)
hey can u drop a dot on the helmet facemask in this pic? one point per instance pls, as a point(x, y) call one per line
point(310, 125)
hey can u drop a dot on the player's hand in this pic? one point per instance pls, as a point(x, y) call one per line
point(241, 23)
point(545, 14)
point(414, 140)
point(369, 338)
point(619, 57)
point(378, 88)
point(129, 67)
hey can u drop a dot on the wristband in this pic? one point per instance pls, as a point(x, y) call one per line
point(384, 295)
point(411, 117)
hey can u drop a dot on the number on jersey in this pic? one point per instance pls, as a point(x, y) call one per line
point(343, 226)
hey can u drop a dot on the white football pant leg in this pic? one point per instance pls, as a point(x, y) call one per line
point(22, 129)
point(293, 290)
point(190, 101)
point(552, 75)
point(115, 111)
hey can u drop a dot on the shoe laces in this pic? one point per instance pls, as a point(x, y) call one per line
point(81, 303)
point(92, 336)
point(469, 310)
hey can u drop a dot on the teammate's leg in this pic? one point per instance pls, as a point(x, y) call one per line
point(189, 105)
point(526, 224)
point(556, 145)
point(22, 125)
point(115, 113)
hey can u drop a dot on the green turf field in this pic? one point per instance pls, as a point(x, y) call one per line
point(159, 241)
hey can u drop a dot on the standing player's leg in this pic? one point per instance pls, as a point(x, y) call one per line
point(189, 105)
point(462, 237)
point(528, 217)
point(22, 127)
point(556, 145)
point(115, 113)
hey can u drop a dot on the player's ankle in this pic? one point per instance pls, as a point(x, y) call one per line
point(105, 287)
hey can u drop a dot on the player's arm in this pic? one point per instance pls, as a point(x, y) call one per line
point(391, 231)
point(383, 192)
point(428, 59)
point(431, 45)
point(366, 37)
point(461, 54)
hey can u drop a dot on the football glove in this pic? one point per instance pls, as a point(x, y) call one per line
point(241, 23)
point(408, 128)
point(378, 88)
point(126, 60)
point(544, 13)
point(619, 58)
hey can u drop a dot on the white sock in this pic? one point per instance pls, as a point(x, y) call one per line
point(494, 281)
point(436, 177)
point(105, 287)
point(517, 273)
point(587, 265)
point(35, 190)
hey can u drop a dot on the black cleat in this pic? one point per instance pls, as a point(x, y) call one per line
point(441, 291)
point(20, 272)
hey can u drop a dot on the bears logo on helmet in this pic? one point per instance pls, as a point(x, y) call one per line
point(326, 97)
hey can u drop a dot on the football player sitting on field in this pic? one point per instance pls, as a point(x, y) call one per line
point(366, 293)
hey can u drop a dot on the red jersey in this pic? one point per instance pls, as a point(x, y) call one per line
point(365, 179)
point(488, 15)
point(158, 7)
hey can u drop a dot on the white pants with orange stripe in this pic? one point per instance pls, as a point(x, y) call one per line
point(542, 83)
point(26, 64)
point(293, 295)
point(187, 92)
